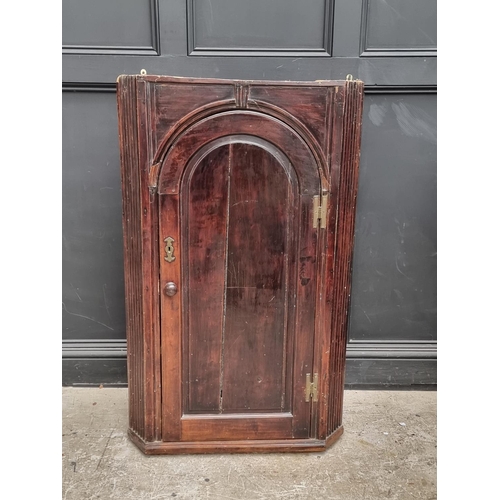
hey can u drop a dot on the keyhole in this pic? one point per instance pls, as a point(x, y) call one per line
point(169, 249)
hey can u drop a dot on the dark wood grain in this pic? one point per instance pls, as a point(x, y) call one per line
point(261, 427)
point(205, 206)
point(258, 240)
point(347, 182)
point(171, 321)
point(130, 176)
point(174, 101)
point(309, 109)
point(306, 277)
point(150, 307)
point(322, 356)
point(257, 296)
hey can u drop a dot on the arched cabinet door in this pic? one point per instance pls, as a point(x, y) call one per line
point(238, 217)
point(236, 196)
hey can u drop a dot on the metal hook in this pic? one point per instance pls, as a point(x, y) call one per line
point(143, 72)
point(349, 78)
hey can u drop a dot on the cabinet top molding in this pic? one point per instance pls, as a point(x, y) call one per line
point(226, 81)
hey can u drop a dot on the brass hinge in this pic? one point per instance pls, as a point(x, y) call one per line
point(311, 391)
point(319, 210)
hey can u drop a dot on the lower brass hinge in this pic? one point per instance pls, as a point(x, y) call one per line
point(311, 390)
point(319, 210)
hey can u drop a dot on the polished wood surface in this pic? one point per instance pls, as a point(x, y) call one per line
point(258, 269)
point(204, 254)
point(233, 294)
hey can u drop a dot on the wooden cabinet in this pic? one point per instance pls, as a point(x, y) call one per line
point(238, 217)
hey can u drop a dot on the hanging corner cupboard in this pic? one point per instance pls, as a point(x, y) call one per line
point(238, 215)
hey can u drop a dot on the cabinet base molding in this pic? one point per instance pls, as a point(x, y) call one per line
point(240, 446)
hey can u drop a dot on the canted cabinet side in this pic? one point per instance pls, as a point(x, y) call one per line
point(140, 262)
point(344, 244)
point(343, 132)
point(130, 175)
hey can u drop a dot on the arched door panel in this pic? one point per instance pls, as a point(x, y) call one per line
point(237, 206)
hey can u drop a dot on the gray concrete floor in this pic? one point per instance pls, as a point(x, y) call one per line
point(388, 450)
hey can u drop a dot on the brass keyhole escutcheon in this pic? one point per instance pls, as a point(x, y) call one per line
point(169, 249)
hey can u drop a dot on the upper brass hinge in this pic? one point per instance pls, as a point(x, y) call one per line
point(311, 391)
point(320, 210)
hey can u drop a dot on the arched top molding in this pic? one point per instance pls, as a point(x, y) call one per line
point(208, 124)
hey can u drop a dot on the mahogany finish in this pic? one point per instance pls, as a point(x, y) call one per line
point(238, 213)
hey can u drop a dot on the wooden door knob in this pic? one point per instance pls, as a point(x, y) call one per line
point(170, 289)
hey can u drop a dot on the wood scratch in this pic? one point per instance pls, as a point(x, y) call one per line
point(235, 272)
point(244, 201)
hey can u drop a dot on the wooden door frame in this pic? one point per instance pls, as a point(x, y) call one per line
point(243, 121)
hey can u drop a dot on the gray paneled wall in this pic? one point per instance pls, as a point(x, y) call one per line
point(390, 44)
point(92, 251)
point(109, 26)
point(260, 26)
point(394, 270)
point(399, 26)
